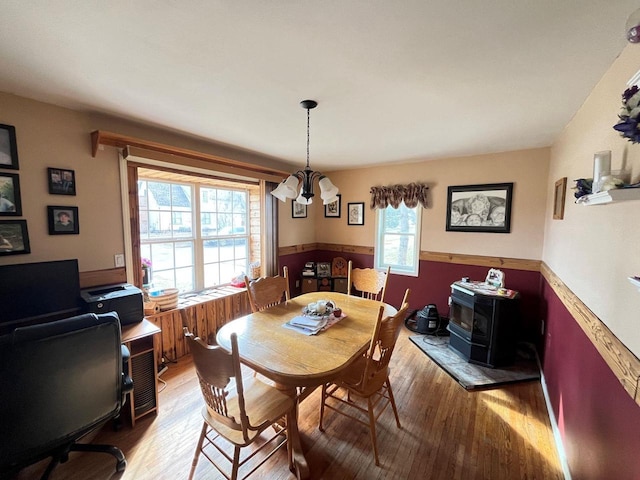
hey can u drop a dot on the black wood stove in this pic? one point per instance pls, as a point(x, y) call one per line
point(483, 322)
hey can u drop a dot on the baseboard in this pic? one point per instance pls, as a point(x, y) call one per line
point(554, 425)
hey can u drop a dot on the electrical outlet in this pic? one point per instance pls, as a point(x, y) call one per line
point(119, 259)
point(297, 283)
point(542, 327)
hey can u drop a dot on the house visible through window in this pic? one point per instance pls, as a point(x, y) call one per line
point(398, 239)
point(196, 232)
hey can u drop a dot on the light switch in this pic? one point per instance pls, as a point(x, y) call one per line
point(119, 260)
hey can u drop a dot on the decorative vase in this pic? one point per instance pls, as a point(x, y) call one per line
point(146, 275)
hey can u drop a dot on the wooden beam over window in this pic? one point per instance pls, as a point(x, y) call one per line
point(137, 147)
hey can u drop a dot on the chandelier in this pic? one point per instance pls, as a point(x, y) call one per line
point(305, 178)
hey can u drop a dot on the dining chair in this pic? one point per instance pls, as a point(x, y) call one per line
point(236, 410)
point(268, 291)
point(368, 378)
point(369, 281)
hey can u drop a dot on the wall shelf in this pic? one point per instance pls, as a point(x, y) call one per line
point(634, 281)
point(615, 195)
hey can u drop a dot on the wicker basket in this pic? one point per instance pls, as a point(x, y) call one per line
point(167, 299)
point(254, 270)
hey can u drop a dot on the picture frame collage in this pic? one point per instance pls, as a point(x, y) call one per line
point(14, 235)
point(355, 211)
point(62, 219)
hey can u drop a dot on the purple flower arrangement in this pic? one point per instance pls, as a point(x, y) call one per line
point(630, 115)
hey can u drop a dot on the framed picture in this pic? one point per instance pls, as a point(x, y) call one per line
point(61, 182)
point(63, 220)
point(479, 208)
point(298, 210)
point(323, 269)
point(355, 213)
point(10, 204)
point(14, 237)
point(559, 198)
point(333, 209)
point(8, 147)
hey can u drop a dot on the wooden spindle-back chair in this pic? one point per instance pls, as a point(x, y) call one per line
point(368, 378)
point(370, 282)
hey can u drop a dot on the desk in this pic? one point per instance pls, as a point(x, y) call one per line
point(294, 360)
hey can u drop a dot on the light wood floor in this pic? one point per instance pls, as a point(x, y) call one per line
point(448, 433)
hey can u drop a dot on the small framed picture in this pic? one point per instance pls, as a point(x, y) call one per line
point(8, 147)
point(14, 237)
point(61, 182)
point(355, 213)
point(298, 210)
point(333, 209)
point(559, 198)
point(63, 220)
point(10, 204)
point(323, 269)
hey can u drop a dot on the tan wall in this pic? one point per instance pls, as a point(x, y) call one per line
point(49, 136)
point(594, 249)
point(527, 169)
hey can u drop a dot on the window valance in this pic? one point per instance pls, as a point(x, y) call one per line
point(412, 194)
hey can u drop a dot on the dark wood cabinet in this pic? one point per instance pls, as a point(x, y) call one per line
point(139, 339)
point(323, 284)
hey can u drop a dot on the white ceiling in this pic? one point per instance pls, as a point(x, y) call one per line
point(395, 80)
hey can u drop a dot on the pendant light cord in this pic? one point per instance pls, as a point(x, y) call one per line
point(308, 138)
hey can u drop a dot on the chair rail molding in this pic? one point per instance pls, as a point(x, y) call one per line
point(624, 364)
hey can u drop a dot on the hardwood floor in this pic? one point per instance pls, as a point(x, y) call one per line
point(448, 433)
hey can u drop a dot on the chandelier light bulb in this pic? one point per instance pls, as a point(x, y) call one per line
point(304, 201)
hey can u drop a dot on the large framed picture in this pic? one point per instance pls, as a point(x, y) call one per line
point(61, 182)
point(14, 237)
point(333, 209)
point(355, 213)
point(8, 147)
point(298, 210)
point(10, 204)
point(63, 220)
point(479, 208)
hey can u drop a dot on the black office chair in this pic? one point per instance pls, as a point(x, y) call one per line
point(60, 380)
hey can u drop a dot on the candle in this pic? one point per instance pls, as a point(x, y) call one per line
point(601, 167)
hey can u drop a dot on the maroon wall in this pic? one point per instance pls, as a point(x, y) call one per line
point(598, 420)
point(433, 285)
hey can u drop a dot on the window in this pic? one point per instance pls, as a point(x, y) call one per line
point(197, 236)
point(398, 239)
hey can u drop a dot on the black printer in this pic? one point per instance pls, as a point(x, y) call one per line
point(123, 298)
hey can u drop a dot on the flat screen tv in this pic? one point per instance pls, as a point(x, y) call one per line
point(38, 292)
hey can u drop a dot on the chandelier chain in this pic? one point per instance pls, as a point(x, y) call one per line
point(307, 138)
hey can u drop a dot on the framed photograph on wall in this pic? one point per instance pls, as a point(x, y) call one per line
point(61, 181)
point(63, 220)
point(298, 210)
point(559, 198)
point(355, 213)
point(10, 204)
point(479, 208)
point(333, 209)
point(8, 147)
point(14, 237)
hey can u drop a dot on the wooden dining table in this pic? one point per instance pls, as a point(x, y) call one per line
point(299, 363)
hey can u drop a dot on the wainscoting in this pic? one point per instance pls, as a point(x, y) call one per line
point(206, 313)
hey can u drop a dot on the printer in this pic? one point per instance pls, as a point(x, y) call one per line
point(123, 298)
